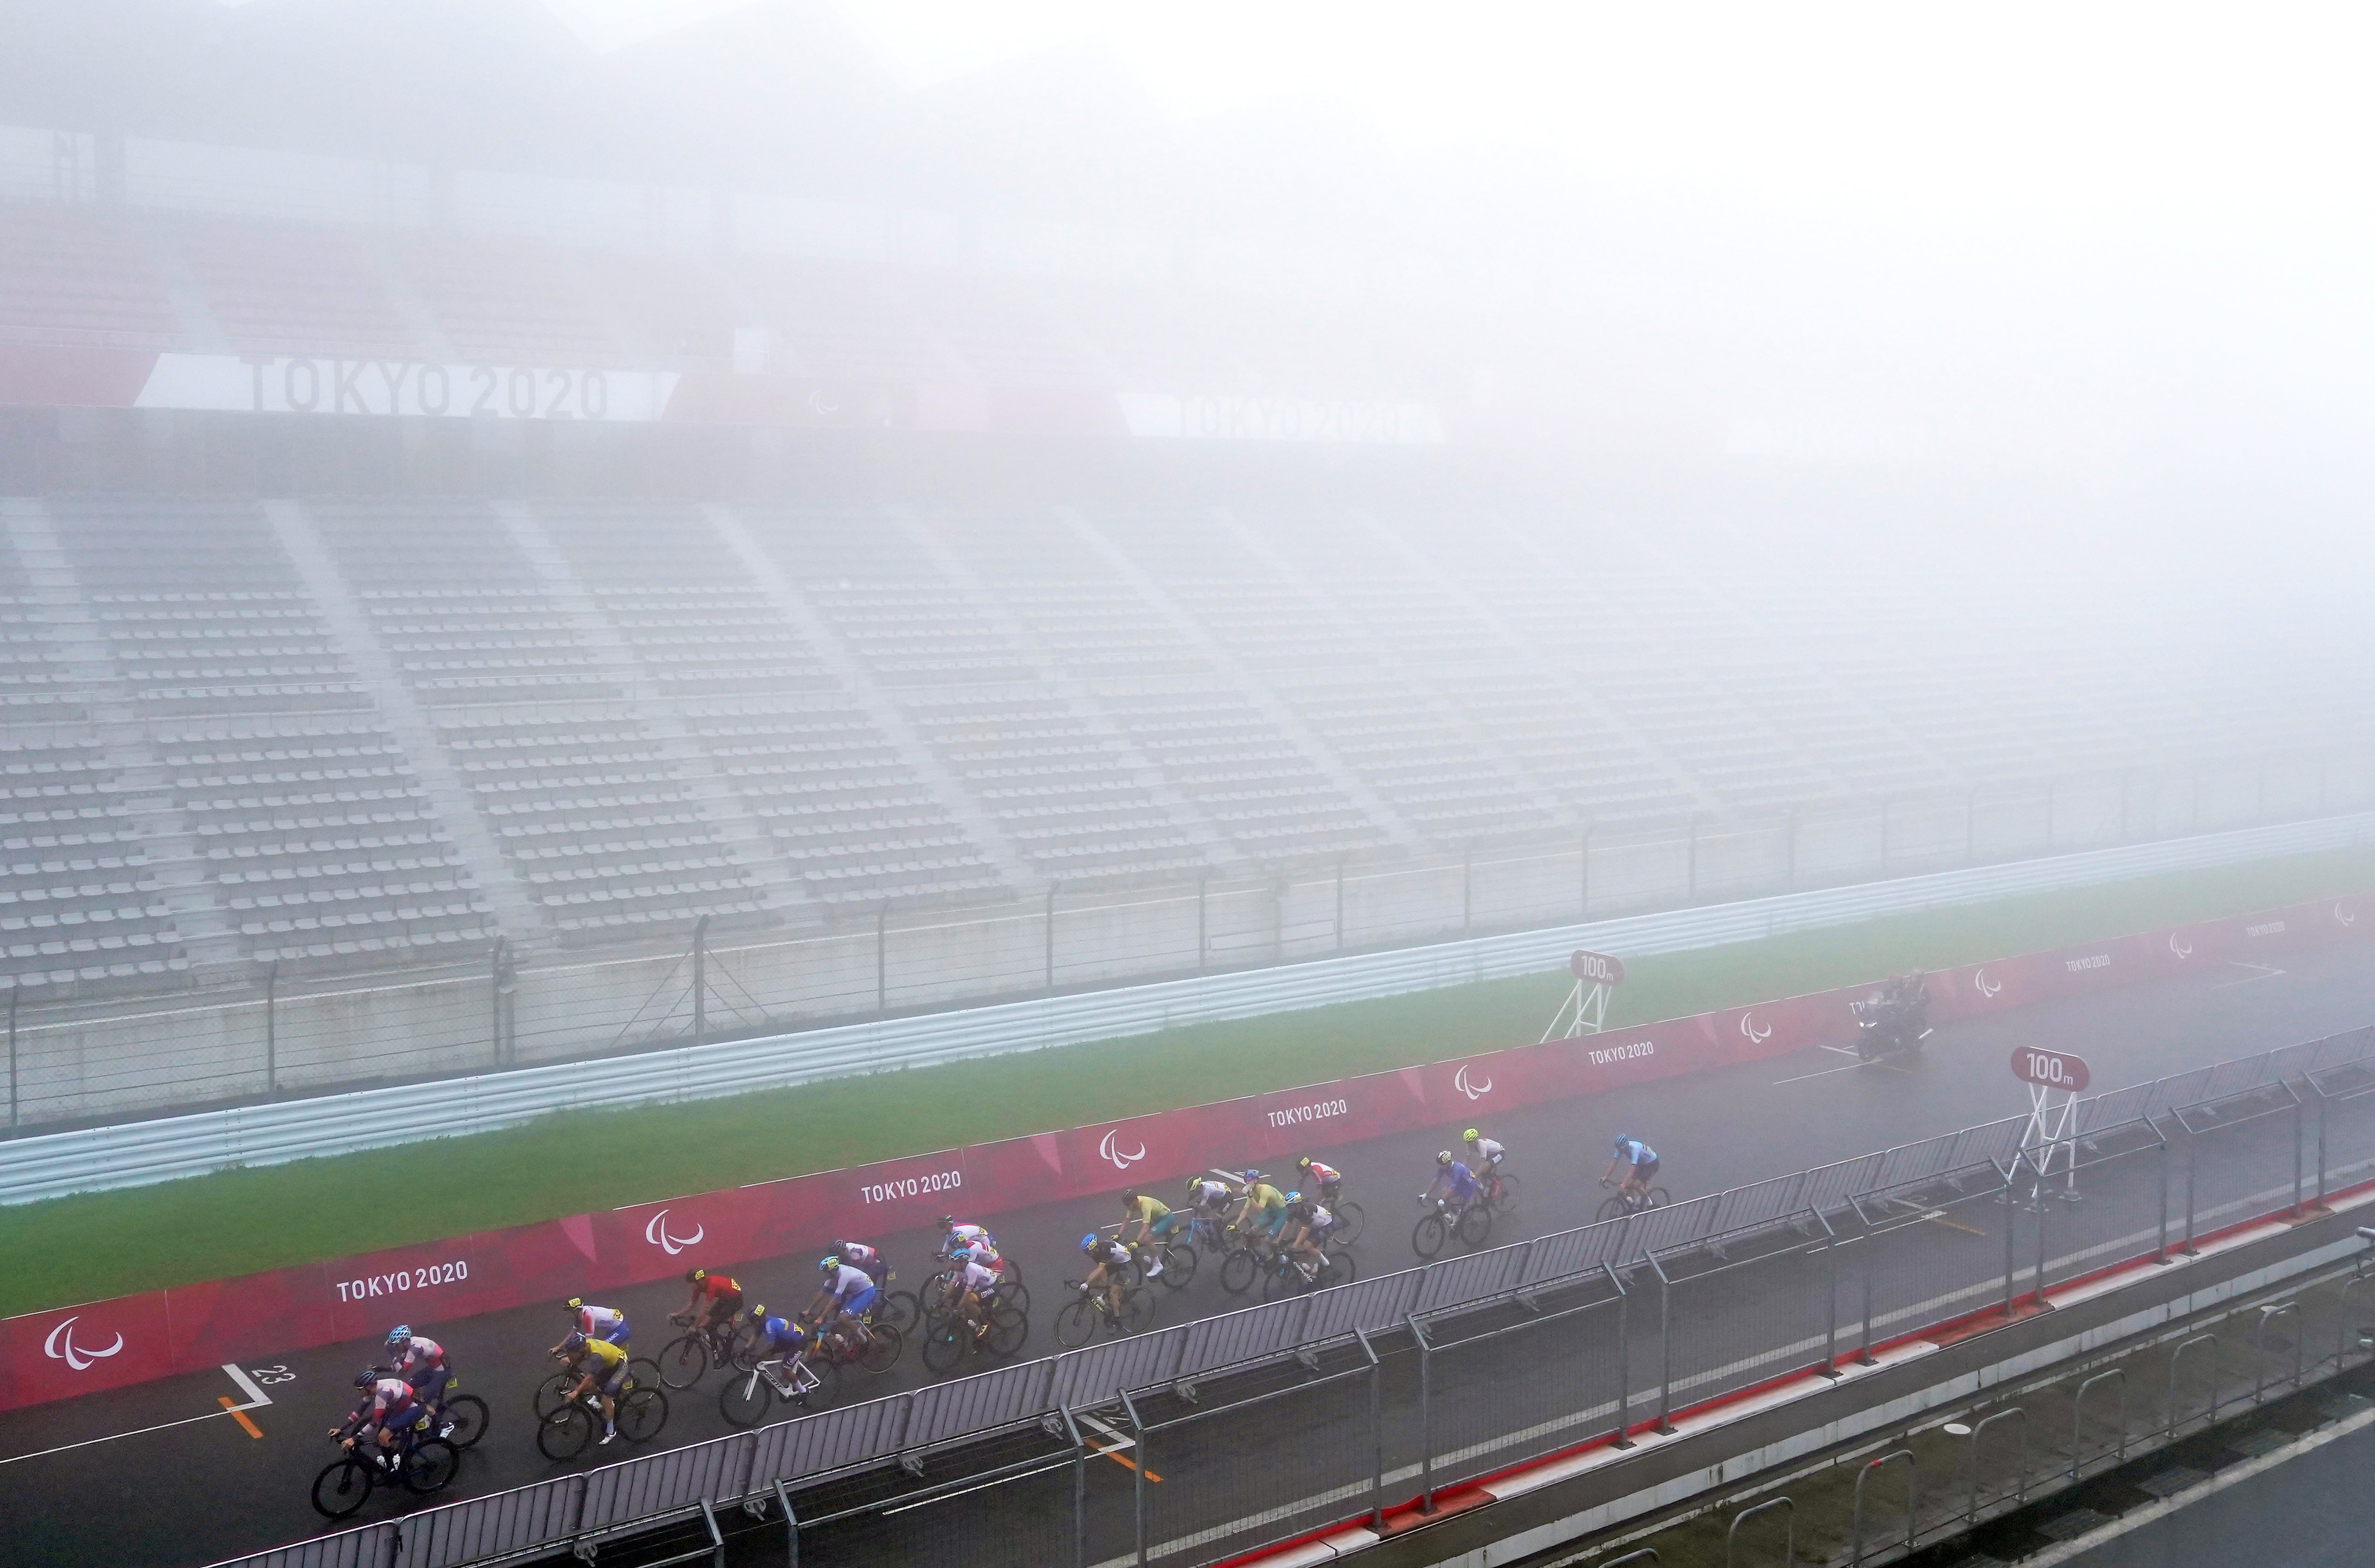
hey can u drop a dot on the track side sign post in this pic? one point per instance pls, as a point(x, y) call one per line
point(2055, 1080)
point(1585, 1011)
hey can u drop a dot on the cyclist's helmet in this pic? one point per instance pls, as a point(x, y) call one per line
point(963, 1255)
point(399, 1337)
point(1252, 1175)
point(1303, 1164)
point(1443, 1157)
point(828, 1265)
point(945, 1221)
point(1622, 1139)
point(1194, 1183)
point(1294, 1197)
point(574, 1304)
point(757, 1315)
point(1089, 1241)
point(1129, 1198)
point(575, 1342)
point(1468, 1137)
point(695, 1276)
point(366, 1377)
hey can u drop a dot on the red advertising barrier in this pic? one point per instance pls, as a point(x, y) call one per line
point(55, 1355)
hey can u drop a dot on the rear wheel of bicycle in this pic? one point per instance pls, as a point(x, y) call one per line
point(642, 1413)
point(430, 1466)
point(1008, 1329)
point(465, 1419)
point(683, 1361)
point(828, 1385)
point(1658, 1199)
point(1076, 1323)
point(565, 1434)
point(1237, 1270)
point(1615, 1208)
point(343, 1486)
point(1474, 1226)
point(1340, 1271)
point(1137, 1311)
point(1350, 1218)
point(744, 1399)
point(1012, 1290)
point(1427, 1236)
point(901, 1311)
point(1178, 1266)
point(946, 1346)
point(1506, 1197)
point(552, 1394)
point(1279, 1277)
point(883, 1344)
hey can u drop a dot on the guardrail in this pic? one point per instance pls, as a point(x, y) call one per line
point(1779, 1222)
point(132, 1154)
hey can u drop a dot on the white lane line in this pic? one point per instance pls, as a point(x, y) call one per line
point(2266, 972)
point(246, 1385)
point(1824, 1072)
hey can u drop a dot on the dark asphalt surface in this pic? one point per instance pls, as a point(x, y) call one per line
point(2305, 1513)
point(201, 1492)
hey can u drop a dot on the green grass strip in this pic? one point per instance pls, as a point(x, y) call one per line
point(82, 1248)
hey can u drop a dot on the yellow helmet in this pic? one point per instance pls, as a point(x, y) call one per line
point(1468, 1137)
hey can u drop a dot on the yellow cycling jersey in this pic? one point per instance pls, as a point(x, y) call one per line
point(1147, 1210)
point(602, 1351)
point(1263, 1196)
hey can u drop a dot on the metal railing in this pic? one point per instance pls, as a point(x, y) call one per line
point(1746, 1284)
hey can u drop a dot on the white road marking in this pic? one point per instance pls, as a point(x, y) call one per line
point(2266, 972)
point(1824, 1072)
point(257, 1399)
point(1103, 1430)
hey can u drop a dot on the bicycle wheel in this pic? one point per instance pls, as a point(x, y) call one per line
point(1178, 1266)
point(1014, 1293)
point(1428, 1236)
point(1237, 1270)
point(344, 1485)
point(1007, 1330)
point(883, 1344)
point(565, 1434)
point(743, 1355)
point(1613, 1208)
point(430, 1466)
point(901, 1311)
point(1076, 1323)
point(552, 1394)
point(744, 1399)
point(1279, 1278)
point(1348, 1221)
point(642, 1413)
point(465, 1421)
point(683, 1360)
point(1342, 1271)
point(827, 1378)
point(1474, 1226)
point(1137, 1311)
point(1507, 1198)
point(946, 1346)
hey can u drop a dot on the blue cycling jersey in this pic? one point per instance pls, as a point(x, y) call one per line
point(1462, 1180)
point(1636, 1153)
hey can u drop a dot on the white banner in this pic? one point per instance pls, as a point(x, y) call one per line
point(323, 384)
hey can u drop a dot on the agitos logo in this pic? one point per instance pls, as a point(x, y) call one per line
point(1985, 986)
point(1122, 1158)
point(657, 1233)
point(60, 1347)
point(1475, 1088)
point(1748, 1027)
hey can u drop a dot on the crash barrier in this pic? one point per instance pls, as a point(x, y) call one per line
point(71, 1065)
point(1624, 1324)
point(195, 1327)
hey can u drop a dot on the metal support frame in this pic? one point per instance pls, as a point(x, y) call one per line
point(791, 1526)
point(1425, 1412)
point(1138, 1475)
point(2117, 1377)
point(2260, 1347)
point(1789, 1540)
point(1863, 1355)
point(2177, 1356)
point(2011, 1209)
point(1912, 1501)
point(1622, 1438)
point(1080, 1488)
point(1830, 1367)
point(272, 1027)
point(2020, 1461)
point(1665, 1347)
point(699, 979)
point(2342, 1314)
point(1377, 1433)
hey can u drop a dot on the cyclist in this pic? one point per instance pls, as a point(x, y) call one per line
point(602, 1366)
point(421, 1362)
point(595, 1322)
point(715, 1301)
point(1484, 1154)
point(1308, 1222)
point(1210, 1197)
point(955, 1236)
point(777, 1341)
point(973, 1286)
point(1325, 1180)
point(388, 1406)
point(848, 1296)
point(1106, 1258)
point(1265, 1208)
point(1154, 1222)
point(858, 1254)
point(1452, 1180)
point(1641, 1161)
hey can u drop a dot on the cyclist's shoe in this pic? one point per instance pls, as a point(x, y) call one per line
point(609, 1432)
point(446, 1429)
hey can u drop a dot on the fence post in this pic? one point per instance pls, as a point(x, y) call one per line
point(1339, 903)
point(1051, 936)
point(1138, 1475)
point(1624, 1356)
point(272, 1027)
point(2260, 1347)
point(2193, 1159)
point(1377, 1435)
point(2020, 1464)
point(1864, 1356)
point(1912, 1501)
point(2162, 1257)
point(2321, 1103)
point(700, 978)
point(2078, 1415)
point(2011, 1213)
point(2301, 1131)
point(1790, 1539)
point(791, 1526)
point(1583, 890)
point(1079, 1490)
point(1425, 1414)
point(1665, 1346)
point(12, 1058)
point(2039, 1199)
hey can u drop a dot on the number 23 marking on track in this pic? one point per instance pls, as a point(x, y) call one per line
point(267, 1376)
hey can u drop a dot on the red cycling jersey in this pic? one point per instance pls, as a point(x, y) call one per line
point(718, 1285)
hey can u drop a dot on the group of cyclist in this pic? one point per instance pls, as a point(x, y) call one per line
point(404, 1398)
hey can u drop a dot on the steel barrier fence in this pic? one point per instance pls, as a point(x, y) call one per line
point(1711, 1295)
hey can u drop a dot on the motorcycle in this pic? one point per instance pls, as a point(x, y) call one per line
point(1894, 1019)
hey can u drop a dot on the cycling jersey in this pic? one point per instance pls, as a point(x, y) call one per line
point(1320, 1176)
point(1636, 1153)
point(717, 1288)
point(601, 1323)
point(778, 1336)
point(422, 1353)
point(1147, 1211)
point(1211, 1196)
point(1488, 1152)
point(858, 1254)
point(1261, 1195)
point(1459, 1179)
point(1318, 1220)
point(979, 1280)
point(963, 1235)
point(1108, 1254)
point(603, 1354)
point(846, 1286)
point(392, 1403)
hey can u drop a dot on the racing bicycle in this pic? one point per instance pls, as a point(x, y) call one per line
point(459, 1419)
point(552, 1393)
point(1445, 1219)
point(878, 1353)
point(686, 1359)
point(1283, 1276)
point(957, 1336)
point(795, 1379)
point(1626, 1201)
point(563, 1434)
point(420, 1465)
point(1087, 1311)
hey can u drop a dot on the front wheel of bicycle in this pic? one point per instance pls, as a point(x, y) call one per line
point(1077, 1323)
point(1613, 1208)
point(683, 1361)
point(430, 1466)
point(343, 1486)
point(1350, 1218)
point(1506, 1197)
point(901, 1311)
point(744, 1399)
point(642, 1413)
point(465, 1419)
point(552, 1394)
point(945, 1346)
point(1474, 1226)
point(1007, 1330)
point(827, 1378)
point(1178, 1266)
point(883, 1344)
point(1237, 1270)
point(1428, 1236)
point(565, 1434)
